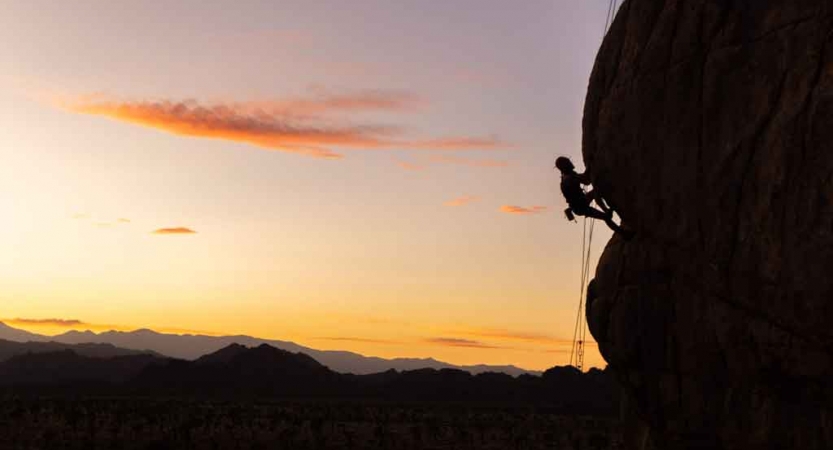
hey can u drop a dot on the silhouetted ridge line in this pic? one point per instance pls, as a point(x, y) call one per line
point(264, 372)
point(192, 347)
point(68, 368)
point(9, 349)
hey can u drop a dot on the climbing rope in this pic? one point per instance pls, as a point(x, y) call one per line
point(580, 329)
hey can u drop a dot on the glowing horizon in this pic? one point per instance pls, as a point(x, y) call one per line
point(473, 340)
point(379, 181)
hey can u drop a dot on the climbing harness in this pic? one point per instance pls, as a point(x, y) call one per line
point(580, 329)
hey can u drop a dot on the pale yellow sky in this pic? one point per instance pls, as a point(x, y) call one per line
point(379, 181)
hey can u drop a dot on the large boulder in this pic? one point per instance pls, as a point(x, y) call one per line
point(708, 125)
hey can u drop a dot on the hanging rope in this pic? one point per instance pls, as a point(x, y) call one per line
point(581, 293)
point(580, 329)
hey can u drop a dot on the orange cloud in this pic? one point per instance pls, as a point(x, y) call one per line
point(97, 327)
point(462, 201)
point(325, 103)
point(519, 336)
point(59, 323)
point(122, 220)
point(512, 335)
point(175, 230)
point(456, 342)
point(511, 209)
point(297, 125)
point(69, 323)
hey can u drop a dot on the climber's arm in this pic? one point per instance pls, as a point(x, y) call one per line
point(584, 178)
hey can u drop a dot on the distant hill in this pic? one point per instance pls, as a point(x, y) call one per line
point(67, 368)
point(13, 334)
point(265, 372)
point(191, 347)
point(9, 349)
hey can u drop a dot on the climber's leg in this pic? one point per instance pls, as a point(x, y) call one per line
point(594, 196)
point(594, 213)
point(617, 229)
point(607, 218)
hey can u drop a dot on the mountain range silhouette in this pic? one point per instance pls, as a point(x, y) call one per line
point(237, 372)
point(193, 346)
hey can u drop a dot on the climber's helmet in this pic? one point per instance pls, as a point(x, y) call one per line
point(564, 164)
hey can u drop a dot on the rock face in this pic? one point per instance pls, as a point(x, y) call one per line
point(709, 127)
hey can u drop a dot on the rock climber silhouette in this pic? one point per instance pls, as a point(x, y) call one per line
point(579, 200)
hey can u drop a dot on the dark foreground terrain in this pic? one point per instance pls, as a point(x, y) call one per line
point(108, 423)
point(98, 397)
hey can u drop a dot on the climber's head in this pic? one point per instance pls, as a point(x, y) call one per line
point(564, 164)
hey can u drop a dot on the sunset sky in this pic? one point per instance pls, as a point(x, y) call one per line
point(372, 176)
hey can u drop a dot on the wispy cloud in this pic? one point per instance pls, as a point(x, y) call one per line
point(97, 327)
point(174, 230)
point(462, 201)
point(324, 102)
point(514, 335)
point(357, 339)
point(68, 323)
point(512, 209)
point(53, 323)
point(99, 222)
point(305, 126)
point(457, 342)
